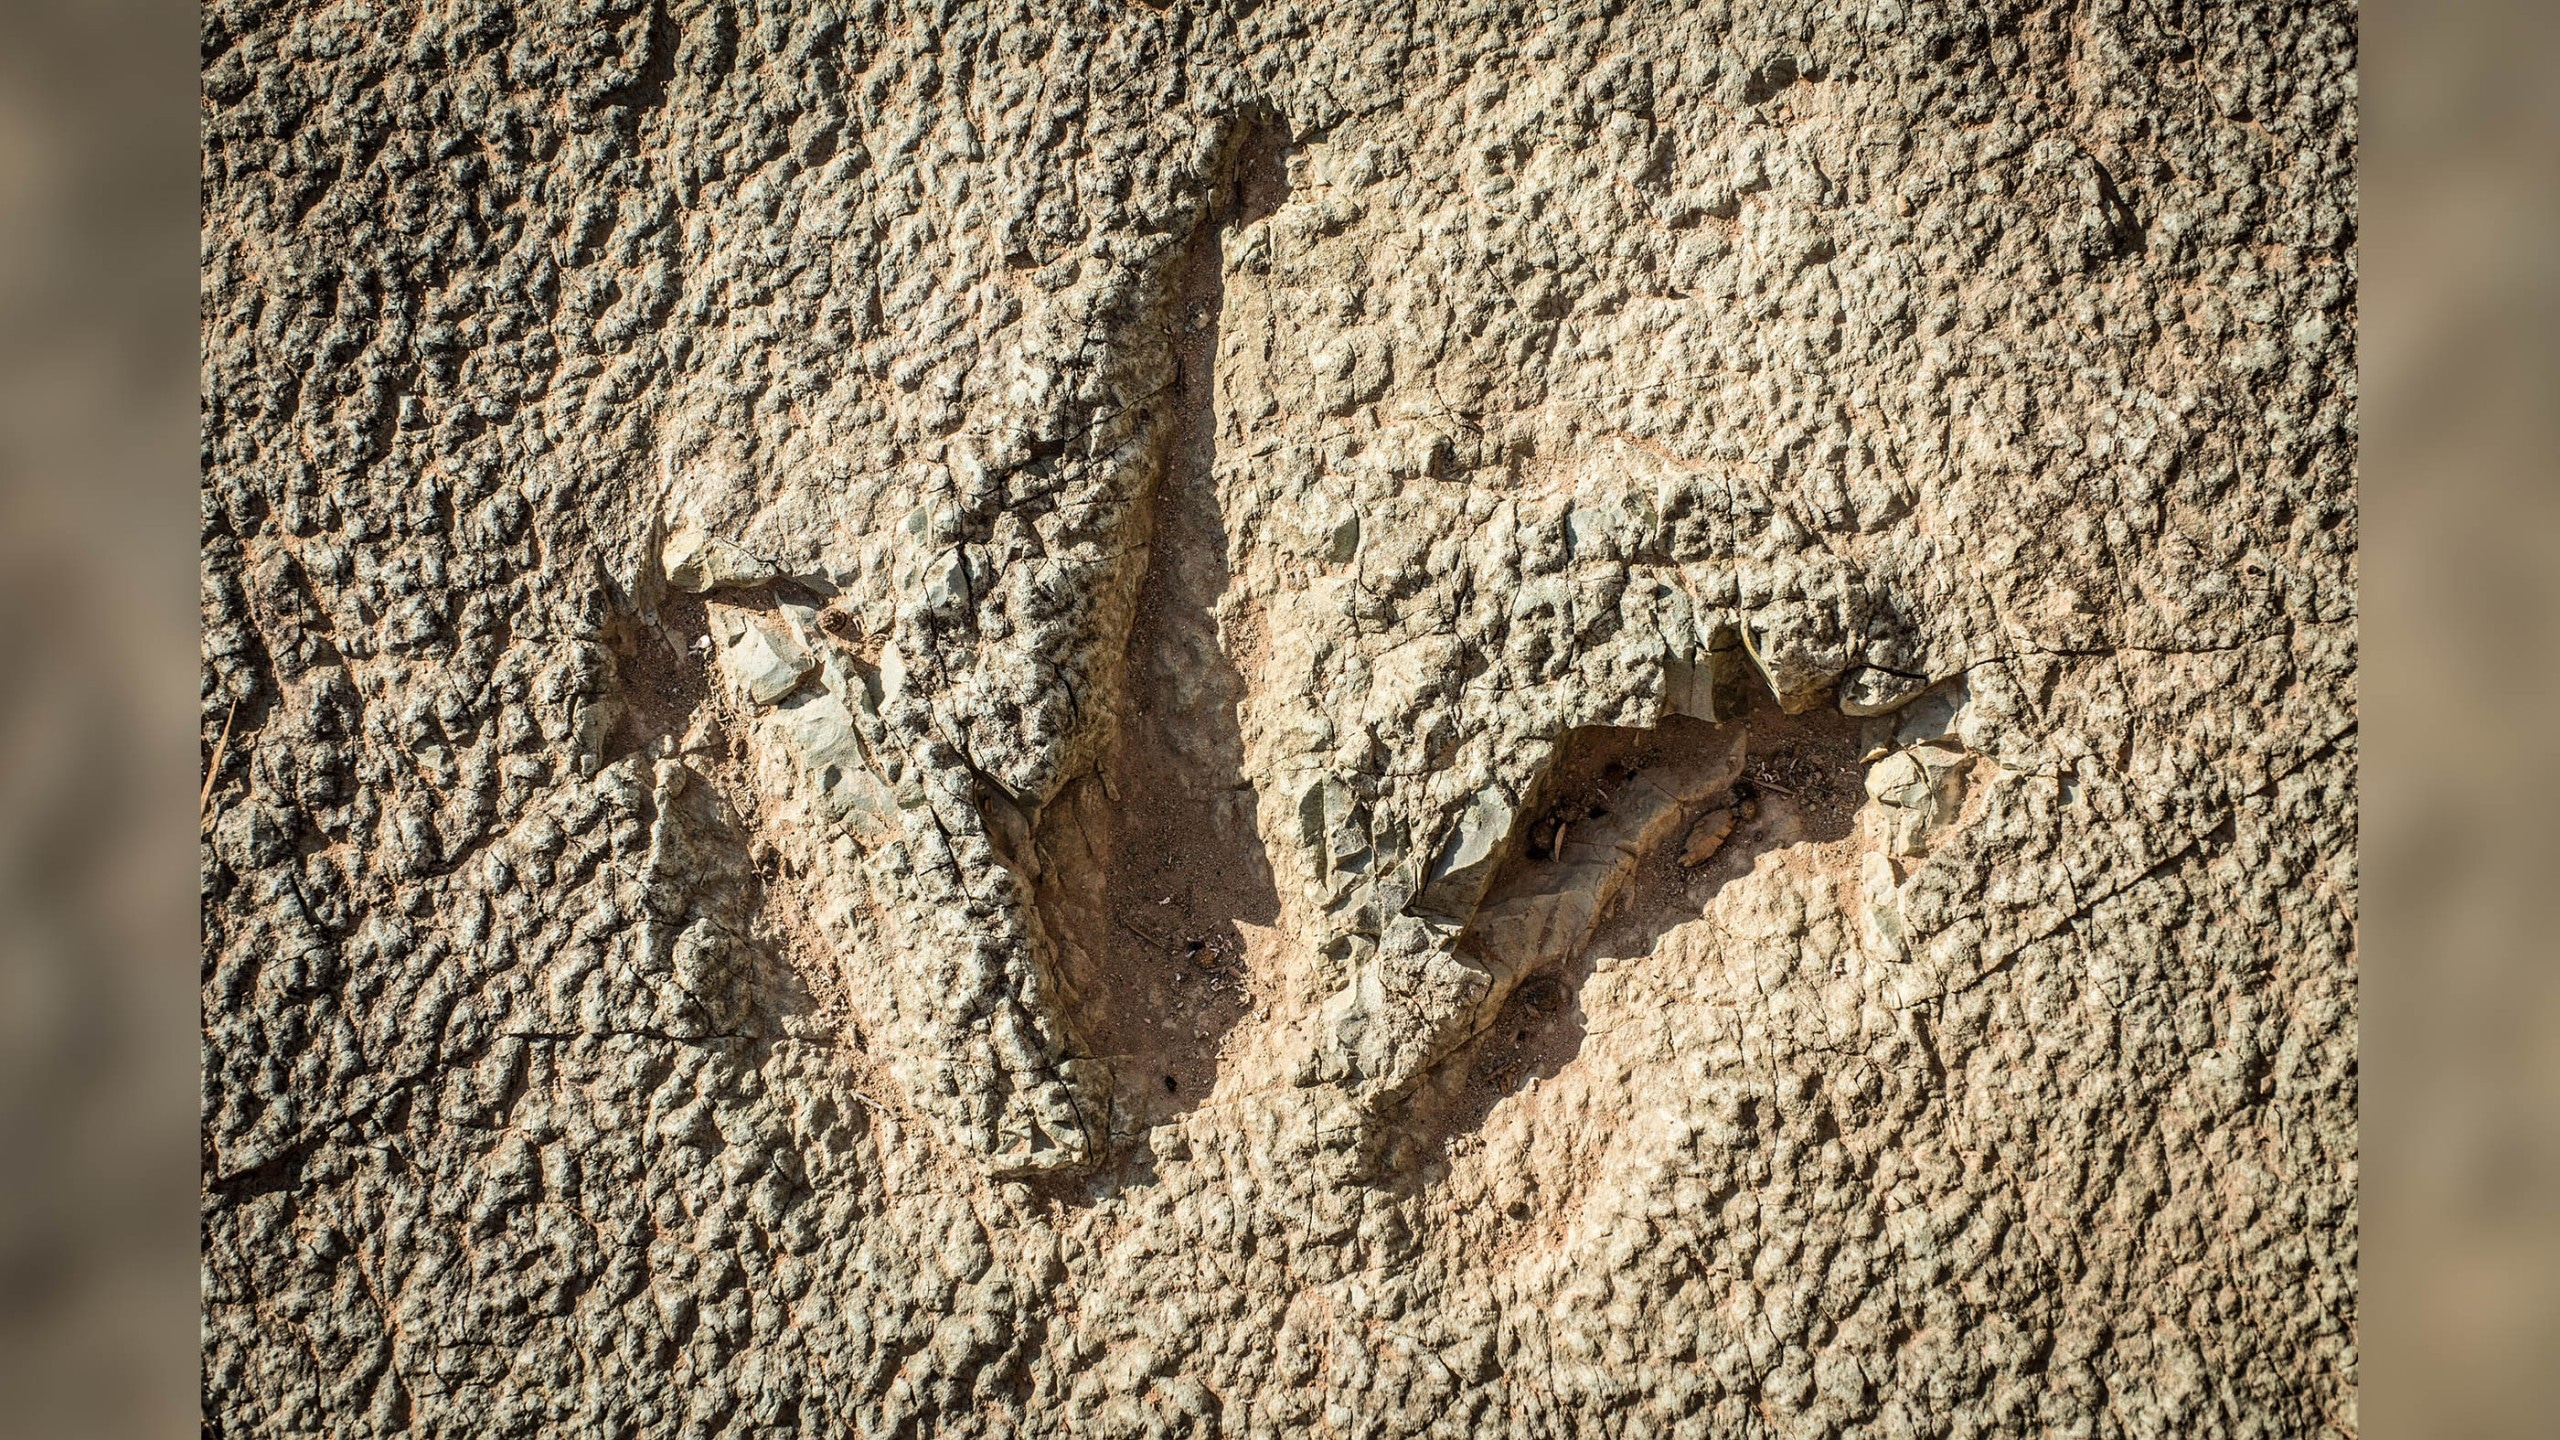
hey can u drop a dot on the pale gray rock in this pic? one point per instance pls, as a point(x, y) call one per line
point(1871, 690)
point(696, 563)
point(762, 660)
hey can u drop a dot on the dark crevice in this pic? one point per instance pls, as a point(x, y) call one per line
point(1150, 869)
point(1798, 780)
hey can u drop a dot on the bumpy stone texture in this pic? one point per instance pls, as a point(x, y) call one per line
point(1368, 719)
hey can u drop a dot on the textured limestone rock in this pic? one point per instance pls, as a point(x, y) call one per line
point(998, 721)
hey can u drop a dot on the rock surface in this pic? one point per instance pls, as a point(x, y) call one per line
point(998, 720)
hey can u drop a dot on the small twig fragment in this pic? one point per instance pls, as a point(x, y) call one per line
point(213, 767)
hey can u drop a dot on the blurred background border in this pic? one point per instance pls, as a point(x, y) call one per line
point(98, 937)
point(2460, 1112)
point(2461, 1014)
